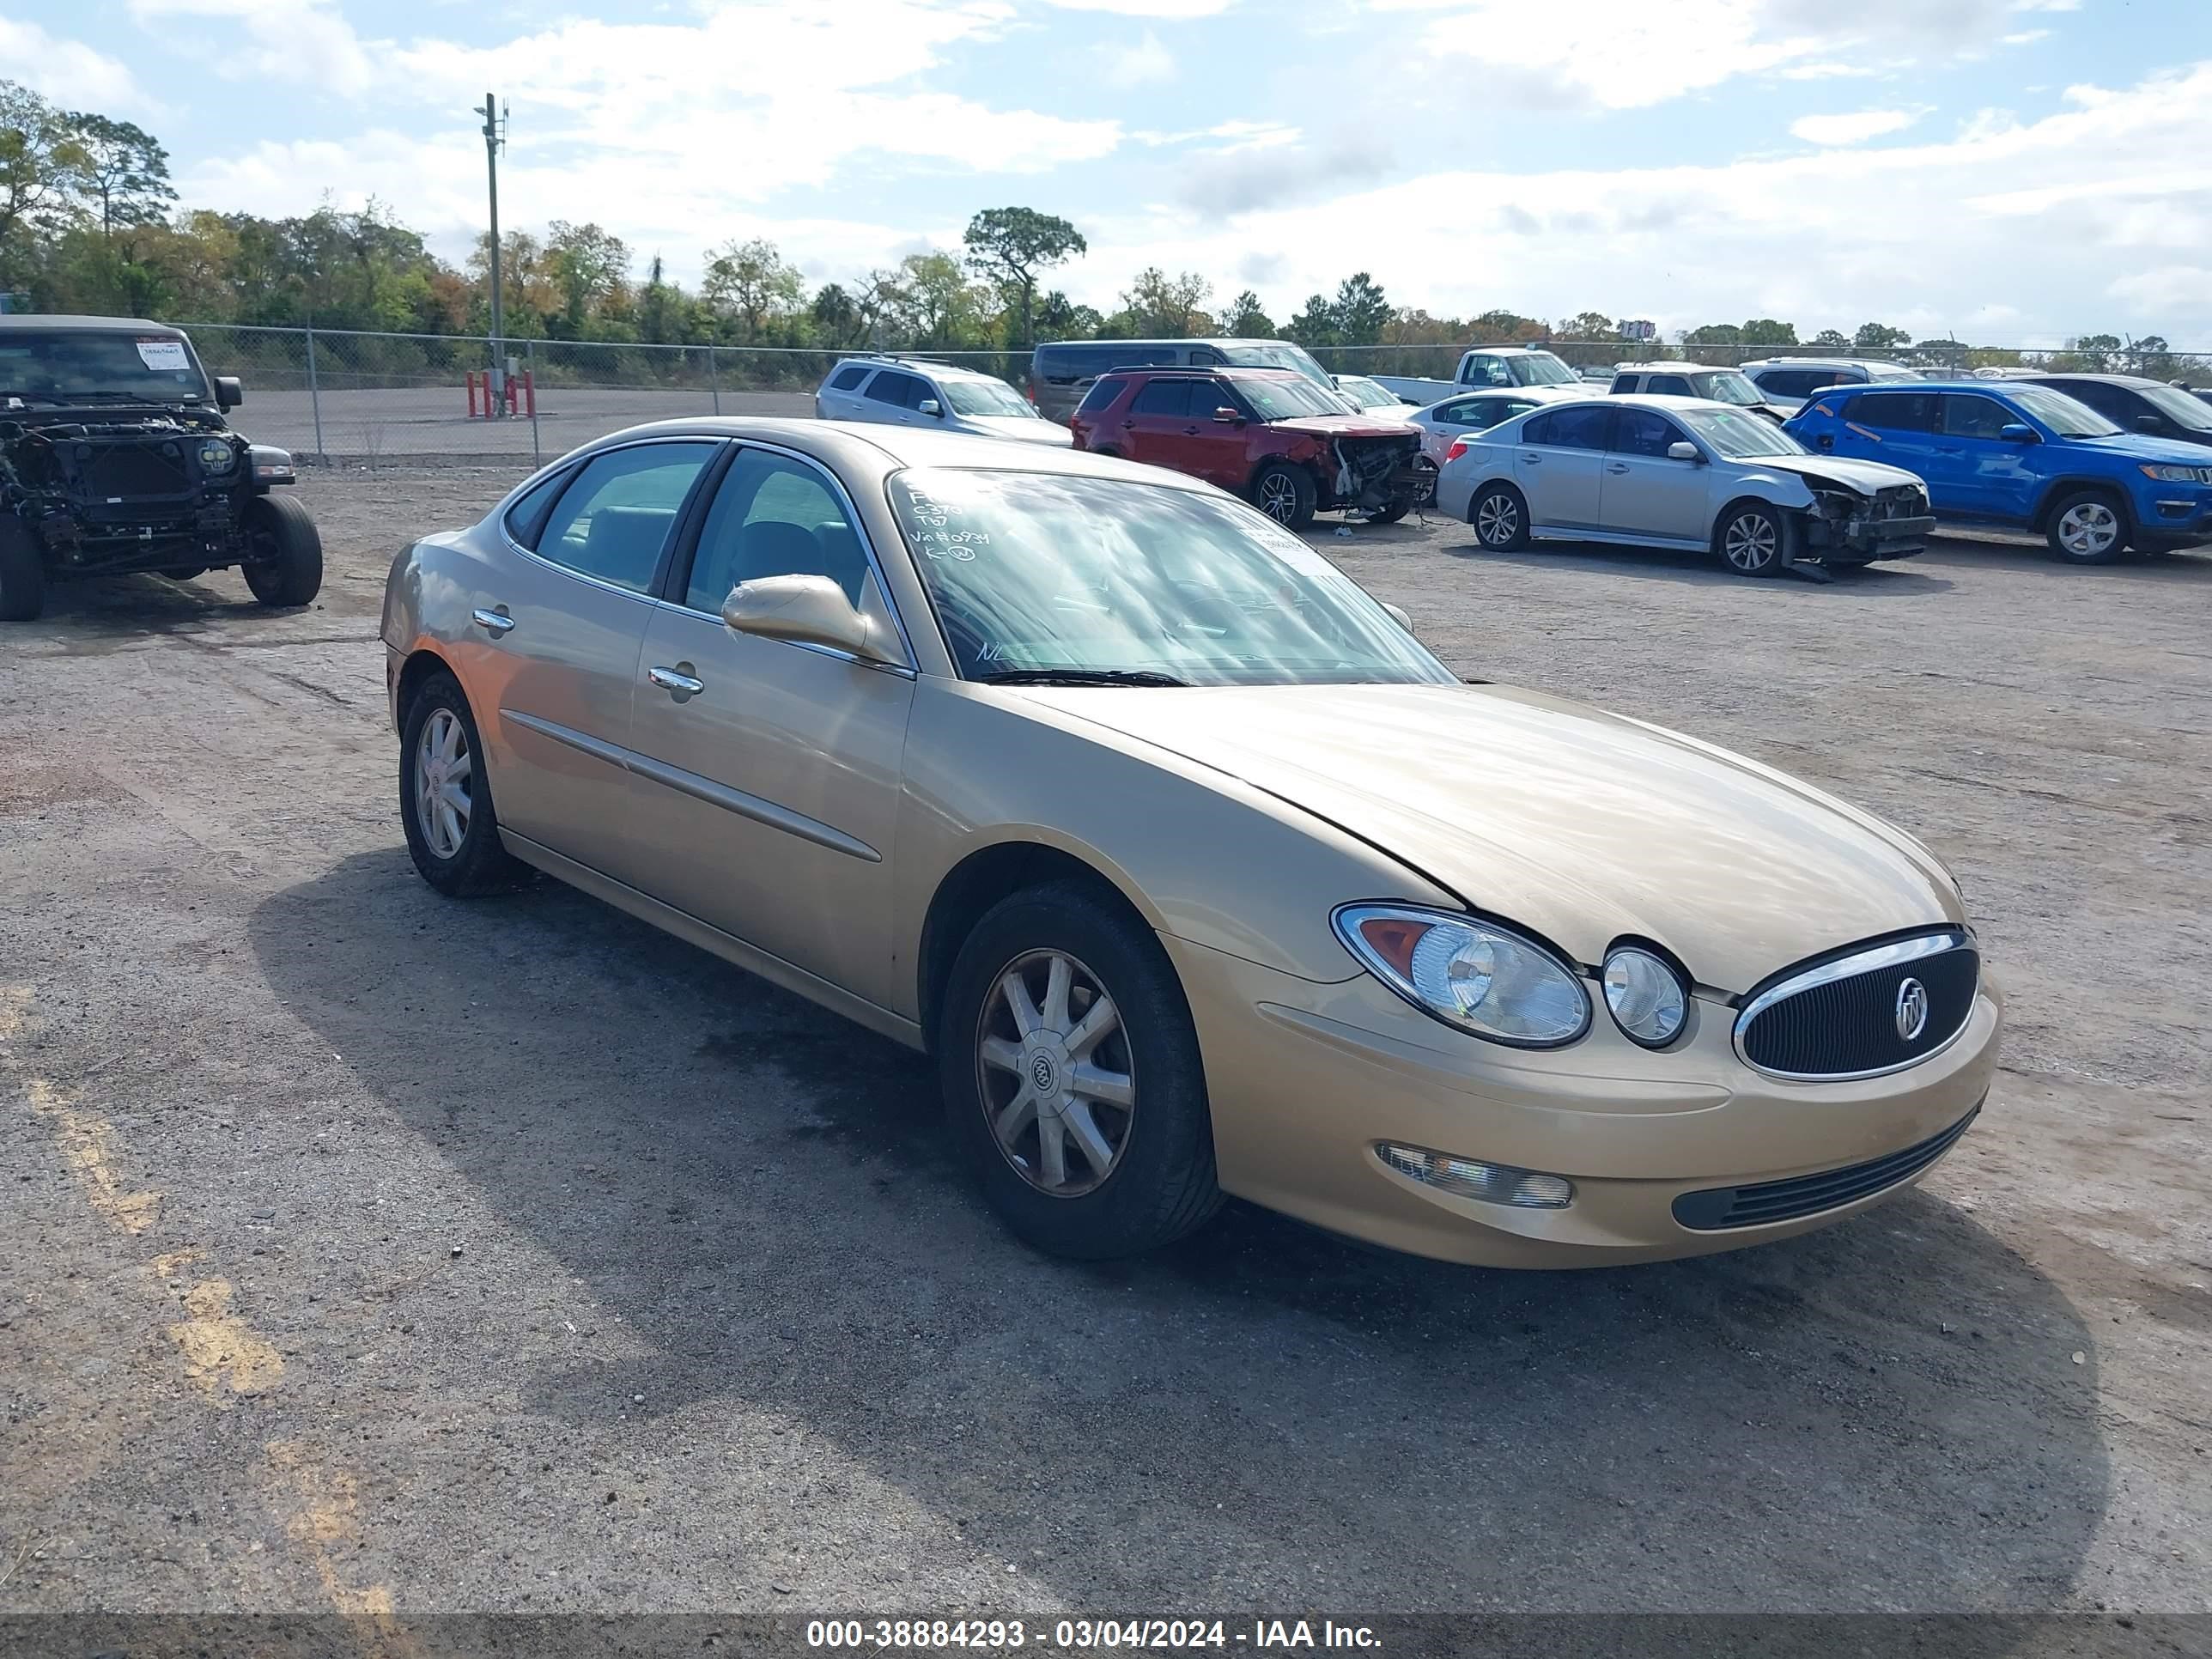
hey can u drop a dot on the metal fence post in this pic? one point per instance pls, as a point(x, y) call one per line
point(315, 399)
point(714, 380)
point(537, 459)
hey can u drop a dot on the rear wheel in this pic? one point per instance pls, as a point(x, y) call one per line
point(1753, 539)
point(2086, 528)
point(1500, 517)
point(1072, 1077)
point(22, 572)
point(284, 565)
point(445, 799)
point(1285, 493)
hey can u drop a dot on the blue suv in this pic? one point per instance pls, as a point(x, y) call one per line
point(2002, 453)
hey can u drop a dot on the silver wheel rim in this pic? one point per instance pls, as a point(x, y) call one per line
point(1053, 1067)
point(443, 771)
point(1278, 497)
point(1749, 544)
point(2089, 528)
point(1497, 520)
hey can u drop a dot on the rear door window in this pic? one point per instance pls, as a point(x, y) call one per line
point(1673, 386)
point(849, 377)
point(1894, 412)
point(889, 387)
point(1486, 371)
point(1470, 411)
point(1623, 383)
point(527, 518)
point(614, 522)
point(1169, 399)
point(1583, 426)
point(1104, 391)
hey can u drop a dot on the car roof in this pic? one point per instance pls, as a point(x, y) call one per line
point(874, 447)
point(41, 321)
point(1175, 340)
point(926, 365)
point(1509, 350)
point(1210, 371)
point(1671, 366)
point(2083, 374)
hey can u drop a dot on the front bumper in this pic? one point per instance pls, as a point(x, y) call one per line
point(2169, 520)
point(1305, 1079)
point(1867, 537)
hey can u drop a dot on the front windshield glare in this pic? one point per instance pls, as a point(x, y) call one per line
point(1276, 354)
point(64, 363)
point(1733, 388)
point(2065, 415)
point(2178, 406)
point(1539, 368)
point(993, 398)
point(1041, 571)
point(1289, 400)
point(1738, 436)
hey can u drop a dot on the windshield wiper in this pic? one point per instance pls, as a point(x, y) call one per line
point(1079, 676)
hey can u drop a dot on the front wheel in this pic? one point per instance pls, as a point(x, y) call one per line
point(1500, 517)
point(1072, 1078)
point(2085, 528)
point(284, 563)
point(22, 572)
point(1285, 493)
point(1390, 514)
point(1753, 540)
point(445, 799)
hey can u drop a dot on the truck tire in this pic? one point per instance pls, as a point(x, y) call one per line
point(22, 572)
point(286, 566)
point(2087, 526)
point(1285, 493)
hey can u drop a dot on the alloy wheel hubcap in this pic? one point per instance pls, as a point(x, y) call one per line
point(1052, 1067)
point(444, 772)
point(2092, 527)
point(1496, 520)
point(1278, 499)
point(1749, 544)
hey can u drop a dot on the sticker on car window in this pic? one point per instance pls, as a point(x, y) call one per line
point(163, 355)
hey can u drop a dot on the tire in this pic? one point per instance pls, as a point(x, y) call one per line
point(2087, 526)
point(1391, 514)
point(1753, 539)
point(182, 572)
point(1157, 1182)
point(286, 566)
point(1500, 514)
point(1285, 493)
point(22, 572)
point(474, 861)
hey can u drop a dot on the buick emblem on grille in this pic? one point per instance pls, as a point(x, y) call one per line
point(1912, 1009)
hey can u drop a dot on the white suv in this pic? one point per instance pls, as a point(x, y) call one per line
point(914, 392)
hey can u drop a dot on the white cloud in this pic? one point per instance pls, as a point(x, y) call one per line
point(1142, 64)
point(2026, 37)
point(1147, 8)
point(308, 40)
point(2164, 290)
point(69, 72)
point(1829, 130)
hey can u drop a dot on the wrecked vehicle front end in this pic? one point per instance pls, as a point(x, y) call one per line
point(1378, 473)
point(1846, 525)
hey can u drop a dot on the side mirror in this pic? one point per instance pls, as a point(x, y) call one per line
point(1684, 451)
point(1398, 615)
point(806, 610)
point(1227, 416)
point(228, 392)
point(930, 406)
point(2015, 433)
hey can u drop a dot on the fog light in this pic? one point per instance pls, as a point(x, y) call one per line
point(1468, 1178)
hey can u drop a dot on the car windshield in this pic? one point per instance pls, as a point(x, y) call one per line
point(1034, 572)
point(1288, 400)
point(1539, 368)
point(1362, 393)
point(1738, 437)
point(2178, 406)
point(986, 398)
point(107, 365)
point(1730, 386)
point(2064, 415)
point(1275, 354)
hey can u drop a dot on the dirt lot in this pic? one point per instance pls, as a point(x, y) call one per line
point(365, 1250)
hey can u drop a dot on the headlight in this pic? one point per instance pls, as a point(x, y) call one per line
point(1474, 975)
point(1645, 995)
point(2180, 474)
point(218, 458)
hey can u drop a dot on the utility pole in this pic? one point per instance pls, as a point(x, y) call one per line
point(494, 136)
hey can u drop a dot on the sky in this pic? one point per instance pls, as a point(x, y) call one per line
point(2014, 172)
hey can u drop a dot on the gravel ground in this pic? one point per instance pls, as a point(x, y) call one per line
point(369, 1251)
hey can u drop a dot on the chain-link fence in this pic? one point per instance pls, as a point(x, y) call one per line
point(372, 399)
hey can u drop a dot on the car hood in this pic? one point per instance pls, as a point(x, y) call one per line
point(1023, 429)
point(1347, 426)
point(1865, 477)
point(2141, 446)
point(1583, 826)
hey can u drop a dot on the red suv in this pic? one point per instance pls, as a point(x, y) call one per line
point(1273, 436)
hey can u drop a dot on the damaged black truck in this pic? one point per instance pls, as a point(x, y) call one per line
point(116, 456)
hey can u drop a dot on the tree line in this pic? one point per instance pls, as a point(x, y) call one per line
point(90, 222)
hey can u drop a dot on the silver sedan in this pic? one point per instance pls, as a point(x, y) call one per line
point(1478, 412)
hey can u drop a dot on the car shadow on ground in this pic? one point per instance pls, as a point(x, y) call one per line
point(1885, 1415)
point(2190, 565)
point(1891, 578)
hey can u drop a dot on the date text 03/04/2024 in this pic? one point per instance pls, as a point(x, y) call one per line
point(1087, 1635)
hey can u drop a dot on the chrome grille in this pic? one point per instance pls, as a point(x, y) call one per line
point(1846, 1016)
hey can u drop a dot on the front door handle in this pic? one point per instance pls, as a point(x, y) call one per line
point(1530, 460)
point(1616, 466)
point(496, 622)
point(678, 681)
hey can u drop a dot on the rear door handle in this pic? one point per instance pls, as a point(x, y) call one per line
point(494, 622)
point(1531, 459)
point(678, 681)
point(1616, 466)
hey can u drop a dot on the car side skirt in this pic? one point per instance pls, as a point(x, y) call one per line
point(1558, 533)
point(728, 947)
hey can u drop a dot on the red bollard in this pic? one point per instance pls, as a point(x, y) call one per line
point(473, 394)
point(530, 394)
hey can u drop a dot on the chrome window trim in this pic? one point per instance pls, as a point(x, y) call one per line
point(907, 670)
point(1868, 961)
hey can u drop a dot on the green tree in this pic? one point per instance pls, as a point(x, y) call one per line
point(121, 167)
point(1247, 319)
point(589, 268)
point(1830, 339)
point(1769, 331)
point(1588, 326)
point(1315, 323)
point(1008, 248)
point(751, 283)
point(40, 159)
point(1166, 307)
point(834, 315)
point(1879, 337)
point(1714, 334)
point(1360, 310)
point(944, 310)
point(1059, 318)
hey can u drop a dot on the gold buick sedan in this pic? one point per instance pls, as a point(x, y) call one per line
point(1192, 870)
